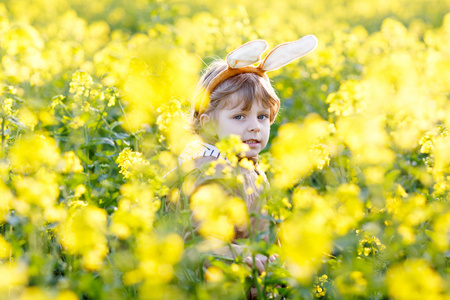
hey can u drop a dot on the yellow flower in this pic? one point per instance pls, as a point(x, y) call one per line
point(174, 126)
point(305, 246)
point(321, 156)
point(232, 147)
point(44, 153)
point(292, 149)
point(67, 295)
point(6, 201)
point(34, 293)
point(41, 190)
point(83, 233)
point(348, 100)
point(28, 117)
point(79, 190)
point(368, 244)
point(71, 163)
point(414, 279)
point(247, 164)
point(349, 209)
point(249, 190)
point(157, 255)
point(367, 139)
point(81, 83)
point(76, 122)
point(5, 248)
point(214, 274)
point(217, 212)
point(136, 210)
point(354, 283)
point(7, 96)
point(131, 162)
point(14, 276)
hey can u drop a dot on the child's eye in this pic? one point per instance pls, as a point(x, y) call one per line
point(238, 117)
point(263, 117)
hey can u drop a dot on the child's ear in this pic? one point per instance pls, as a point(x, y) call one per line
point(205, 120)
point(208, 125)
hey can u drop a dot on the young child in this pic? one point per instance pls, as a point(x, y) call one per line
point(240, 101)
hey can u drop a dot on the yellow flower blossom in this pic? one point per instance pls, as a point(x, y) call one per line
point(354, 283)
point(217, 212)
point(318, 288)
point(28, 117)
point(303, 247)
point(5, 248)
point(157, 255)
point(83, 233)
point(214, 274)
point(233, 147)
point(130, 162)
point(366, 138)
point(174, 126)
point(292, 149)
point(34, 292)
point(15, 276)
point(6, 201)
point(368, 244)
point(348, 100)
point(414, 279)
point(41, 190)
point(45, 153)
point(71, 163)
point(79, 190)
point(76, 122)
point(67, 295)
point(80, 84)
point(247, 164)
point(136, 210)
point(349, 210)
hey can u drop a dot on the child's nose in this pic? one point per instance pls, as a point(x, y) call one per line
point(254, 126)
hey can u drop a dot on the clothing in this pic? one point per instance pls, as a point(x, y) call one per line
point(196, 162)
point(198, 149)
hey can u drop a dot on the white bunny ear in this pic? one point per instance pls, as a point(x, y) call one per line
point(287, 52)
point(247, 54)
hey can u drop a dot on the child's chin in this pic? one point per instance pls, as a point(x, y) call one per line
point(251, 153)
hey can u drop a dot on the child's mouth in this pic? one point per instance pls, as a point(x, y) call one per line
point(251, 142)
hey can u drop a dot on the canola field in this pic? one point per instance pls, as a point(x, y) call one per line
point(93, 103)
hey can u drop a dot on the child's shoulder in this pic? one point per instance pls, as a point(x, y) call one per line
point(202, 160)
point(199, 150)
point(211, 168)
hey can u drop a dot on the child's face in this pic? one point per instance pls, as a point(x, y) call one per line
point(252, 125)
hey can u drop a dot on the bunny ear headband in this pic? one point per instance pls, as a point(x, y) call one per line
point(241, 59)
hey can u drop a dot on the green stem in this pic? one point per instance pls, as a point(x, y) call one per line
point(110, 135)
point(125, 116)
point(185, 202)
point(86, 150)
point(136, 145)
point(99, 119)
point(3, 137)
point(66, 110)
point(10, 232)
point(115, 273)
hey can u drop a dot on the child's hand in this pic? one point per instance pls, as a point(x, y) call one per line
point(260, 261)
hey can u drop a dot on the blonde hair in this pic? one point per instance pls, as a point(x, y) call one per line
point(245, 86)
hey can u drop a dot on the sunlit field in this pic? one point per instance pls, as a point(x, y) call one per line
point(94, 104)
